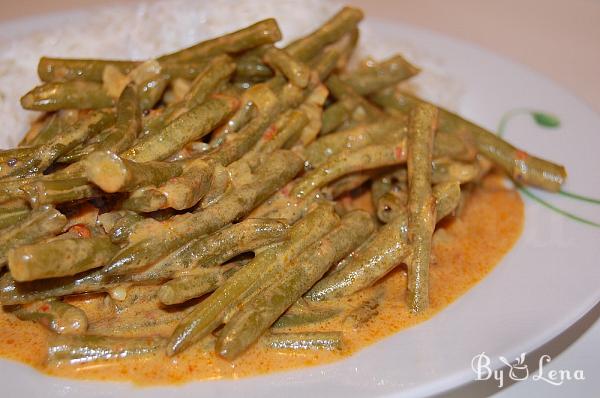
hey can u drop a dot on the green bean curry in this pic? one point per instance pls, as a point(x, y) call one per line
point(236, 208)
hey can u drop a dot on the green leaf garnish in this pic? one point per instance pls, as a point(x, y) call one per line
point(546, 119)
point(558, 210)
point(579, 197)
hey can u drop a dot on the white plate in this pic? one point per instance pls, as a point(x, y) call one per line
point(547, 282)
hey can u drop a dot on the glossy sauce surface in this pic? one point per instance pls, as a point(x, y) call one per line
point(466, 248)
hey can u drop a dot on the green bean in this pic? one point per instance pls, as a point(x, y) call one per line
point(52, 125)
point(395, 179)
point(219, 247)
point(12, 213)
point(202, 86)
point(73, 170)
point(240, 143)
point(59, 317)
point(219, 184)
point(288, 208)
point(386, 249)
point(380, 75)
point(129, 300)
point(83, 149)
point(119, 224)
point(391, 205)
point(181, 192)
point(312, 107)
point(347, 183)
point(295, 71)
point(248, 281)
point(264, 95)
point(155, 322)
point(182, 70)
point(336, 114)
point(240, 118)
point(421, 203)
point(190, 126)
point(187, 287)
point(151, 91)
point(388, 182)
point(123, 228)
point(456, 146)
point(256, 315)
point(392, 181)
point(250, 67)
point(335, 55)
point(447, 197)
point(25, 161)
point(325, 64)
point(262, 32)
point(366, 158)
point(42, 192)
point(115, 174)
point(335, 28)
point(341, 90)
point(384, 132)
point(306, 317)
point(217, 71)
point(62, 69)
point(141, 253)
point(145, 200)
point(287, 129)
point(189, 188)
point(77, 350)
point(67, 95)
point(235, 204)
point(156, 120)
point(14, 188)
point(11, 188)
point(12, 292)
point(15, 157)
point(121, 135)
point(518, 164)
point(192, 150)
point(448, 170)
point(345, 46)
point(41, 223)
point(61, 257)
point(329, 341)
point(392, 99)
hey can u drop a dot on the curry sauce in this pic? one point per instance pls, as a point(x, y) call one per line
point(465, 248)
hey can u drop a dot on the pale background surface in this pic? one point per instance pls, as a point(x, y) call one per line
point(558, 38)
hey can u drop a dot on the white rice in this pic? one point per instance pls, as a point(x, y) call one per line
point(147, 30)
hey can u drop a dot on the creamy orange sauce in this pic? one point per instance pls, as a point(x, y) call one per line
point(465, 249)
